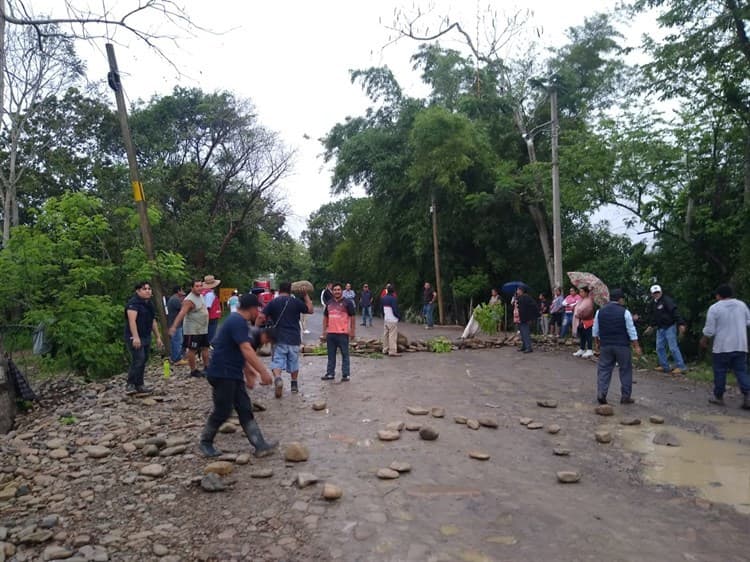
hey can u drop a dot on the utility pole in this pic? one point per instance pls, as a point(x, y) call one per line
point(436, 254)
point(556, 227)
point(138, 195)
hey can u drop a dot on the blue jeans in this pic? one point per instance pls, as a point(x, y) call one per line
point(608, 356)
point(367, 315)
point(735, 361)
point(668, 337)
point(334, 342)
point(567, 324)
point(525, 329)
point(175, 343)
point(138, 359)
point(213, 325)
point(427, 313)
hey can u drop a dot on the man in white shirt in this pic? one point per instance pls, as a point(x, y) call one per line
point(727, 323)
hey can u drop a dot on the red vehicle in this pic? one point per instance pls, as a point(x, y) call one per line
point(263, 290)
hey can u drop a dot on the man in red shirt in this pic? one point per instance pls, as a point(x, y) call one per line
point(338, 327)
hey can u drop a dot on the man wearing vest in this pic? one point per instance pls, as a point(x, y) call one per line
point(194, 328)
point(212, 303)
point(338, 327)
point(614, 333)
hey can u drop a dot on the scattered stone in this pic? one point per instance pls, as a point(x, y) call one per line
point(211, 482)
point(656, 419)
point(296, 452)
point(363, 531)
point(525, 421)
point(55, 444)
point(535, 425)
point(553, 428)
point(630, 421)
point(244, 458)
point(399, 466)
point(604, 410)
point(8, 493)
point(387, 474)
point(305, 479)
point(151, 450)
point(603, 436)
point(667, 439)
point(331, 491)
point(58, 453)
point(153, 470)
point(568, 477)
point(395, 426)
point(437, 412)
point(319, 405)
point(561, 451)
point(49, 521)
point(547, 403)
point(417, 411)
point(97, 452)
point(488, 421)
point(412, 426)
point(159, 549)
point(222, 468)
point(428, 434)
point(259, 406)
point(228, 427)
point(479, 455)
point(56, 552)
point(388, 434)
point(160, 442)
point(460, 419)
point(472, 424)
point(261, 473)
point(35, 537)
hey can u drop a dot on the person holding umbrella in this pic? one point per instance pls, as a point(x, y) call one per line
point(528, 312)
point(584, 313)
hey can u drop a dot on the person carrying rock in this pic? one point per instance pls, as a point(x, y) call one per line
point(140, 316)
point(338, 328)
point(233, 359)
point(614, 332)
point(726, 322)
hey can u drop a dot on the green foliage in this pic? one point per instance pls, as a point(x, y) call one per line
point(68, 420)
point(489, 317)
point(440, 344)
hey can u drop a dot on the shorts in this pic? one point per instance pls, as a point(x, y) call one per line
point(194, 341)
point(285, 357)
point(557, 318)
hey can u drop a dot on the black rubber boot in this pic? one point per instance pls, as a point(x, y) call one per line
point(746, 401)
point(206, 444)
point(263, 448)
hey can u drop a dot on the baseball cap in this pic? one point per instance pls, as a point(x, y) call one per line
point(655, 289)
point(248, 300)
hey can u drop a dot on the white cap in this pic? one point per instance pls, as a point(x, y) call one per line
point(655, 289)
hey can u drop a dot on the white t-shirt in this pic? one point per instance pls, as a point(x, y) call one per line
point(727, 323)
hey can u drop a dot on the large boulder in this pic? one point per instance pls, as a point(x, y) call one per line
point(7, 400)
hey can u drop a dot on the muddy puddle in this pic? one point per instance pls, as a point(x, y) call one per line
point(717, 469)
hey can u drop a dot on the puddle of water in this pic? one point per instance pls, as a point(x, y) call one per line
point(729, 427)
point(700, 462)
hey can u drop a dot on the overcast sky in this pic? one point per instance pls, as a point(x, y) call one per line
point(292, 59)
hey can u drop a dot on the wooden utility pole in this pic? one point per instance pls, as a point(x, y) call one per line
point(436, 253)
point(138, 194)
point(556, 227)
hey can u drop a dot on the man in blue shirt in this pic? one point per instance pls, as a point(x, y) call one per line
point(233, 361)
point(140, 323)
point(283, 312)
point(613, 333)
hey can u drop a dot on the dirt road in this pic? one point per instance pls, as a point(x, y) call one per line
point(448, 507)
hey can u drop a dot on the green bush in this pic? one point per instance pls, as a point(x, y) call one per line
point(441, 344)
point(489, 317)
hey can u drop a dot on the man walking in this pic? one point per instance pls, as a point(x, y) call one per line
point(232, 353)
point(284, 314)
point(428, 299)
point(666, 319)
point(365, 301)
point(727, 322)
point(174, 304)
point(614, 333)
point(140, 316)
point(194, 327)
point(528, 312)
point(391, 316)
point(338, 329)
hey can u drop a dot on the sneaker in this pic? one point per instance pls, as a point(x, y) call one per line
point(528, 350)
point(295, 387)
point(578, 353)
point(345, 378)
point(180, 363)
point(141, 389)
point(677, 371)
point(278, 387)
point(306, 332)
point(717, 400)
point(197, 373)
point(627, 400)
point(588, 353)
point(130, 389)
point(660, 369)
point(327, 377)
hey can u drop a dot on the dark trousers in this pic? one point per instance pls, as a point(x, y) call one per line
point(213, 325)
point(334, 342)
point(525, 329)
point(736, 361)
point(229, 394)
point(586, 338)
point(608, 356)
point(138, 360)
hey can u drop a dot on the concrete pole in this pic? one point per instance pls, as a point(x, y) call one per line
point(556, 227)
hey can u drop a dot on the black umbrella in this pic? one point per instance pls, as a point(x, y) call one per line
point(510, 287)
